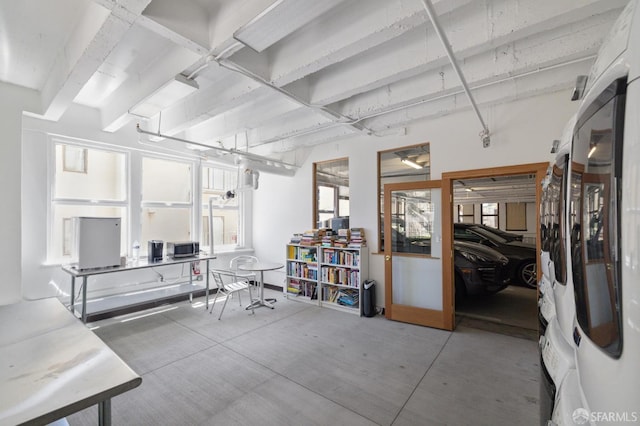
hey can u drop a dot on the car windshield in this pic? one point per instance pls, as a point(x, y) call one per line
point(489, 235)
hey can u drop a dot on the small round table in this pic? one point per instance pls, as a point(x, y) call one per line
point(260, 267)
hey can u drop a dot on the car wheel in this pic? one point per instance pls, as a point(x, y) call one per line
point(528, 274)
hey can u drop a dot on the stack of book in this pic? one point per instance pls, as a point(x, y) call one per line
point(311, 237)
point(296, 238)
point(357, 239)
point(348, 297)
point(328, 239)
point(343, 238)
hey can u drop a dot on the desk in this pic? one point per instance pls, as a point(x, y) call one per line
point(260, 267)
point(140, 264)
point(52, 366)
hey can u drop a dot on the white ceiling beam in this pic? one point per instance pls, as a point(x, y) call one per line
point(135, 89)
point(229, 93)
point(350, 29)
point(96, 35)
point(185, 23)
point(413, 52)
point(244, 117)
point(503, 91)
point(552, 47)
point(443, 97)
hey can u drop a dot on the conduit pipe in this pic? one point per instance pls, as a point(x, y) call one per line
point(245, 154)
point(484, 134)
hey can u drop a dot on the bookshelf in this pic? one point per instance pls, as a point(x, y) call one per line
point(302, 273)
point(327, 276)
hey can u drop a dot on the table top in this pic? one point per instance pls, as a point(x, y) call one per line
point(260, 266)
point(51, 365)
point(142, 263)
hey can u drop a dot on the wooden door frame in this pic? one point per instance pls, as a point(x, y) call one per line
point(431, 318)
point(540, 171)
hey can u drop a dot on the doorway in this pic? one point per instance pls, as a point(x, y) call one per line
point(497, 209)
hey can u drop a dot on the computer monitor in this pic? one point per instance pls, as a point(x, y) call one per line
point(339, 223)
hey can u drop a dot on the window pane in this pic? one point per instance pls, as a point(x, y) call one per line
point(166, 224)
point(226, 213)
point(491, 221)
point(89, 174)
point(331, 193)
point(412, 229)
point(392, 170)
point(165, 181)
point(343, 207)
point(225, 227)
point(490, 208)
point(595, 250)
point(326, 198)
point(62, 232)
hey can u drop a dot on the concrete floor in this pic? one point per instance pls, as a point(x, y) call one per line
point(514, 306)
point(302, 365)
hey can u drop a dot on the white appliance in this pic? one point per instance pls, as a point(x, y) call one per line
point(97, 242)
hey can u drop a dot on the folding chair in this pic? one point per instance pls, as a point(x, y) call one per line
point(234, 284)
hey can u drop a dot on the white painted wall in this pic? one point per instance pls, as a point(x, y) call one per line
point(521, 132)
point(13, 100)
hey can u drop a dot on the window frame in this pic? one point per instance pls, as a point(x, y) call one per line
point(55, 201)
point(606, 334)
point(496, 215)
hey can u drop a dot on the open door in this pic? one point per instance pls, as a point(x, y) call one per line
point(416, 289)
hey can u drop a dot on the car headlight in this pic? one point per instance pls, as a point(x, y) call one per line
point(473, 257)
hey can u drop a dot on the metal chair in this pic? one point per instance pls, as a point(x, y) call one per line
point(242, 260)
point(234, 284)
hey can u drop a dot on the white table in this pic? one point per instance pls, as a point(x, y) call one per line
point(139, 264)
point(260, 267)
point(52, 366)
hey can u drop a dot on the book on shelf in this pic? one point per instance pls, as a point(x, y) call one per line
point(348, 297)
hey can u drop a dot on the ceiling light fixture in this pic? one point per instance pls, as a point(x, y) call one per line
point(411, 163)
point(179, 87)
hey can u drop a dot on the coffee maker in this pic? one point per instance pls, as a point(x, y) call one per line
point(155, 250)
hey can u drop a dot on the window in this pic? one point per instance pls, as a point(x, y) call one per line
point(466, 213)
point(552, 222)
point(489, 214)
point(86, 182)
point(166, 200)
point(331, 191)
point(406, 164)
point(218, 185)
point(595, 217)
point(516, 216)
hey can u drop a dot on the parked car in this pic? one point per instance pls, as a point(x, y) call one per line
point(522, 256)
point(509, 236)
point(478, 270)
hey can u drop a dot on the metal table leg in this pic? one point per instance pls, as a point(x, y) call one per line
point(84, 299)
point(104, 413)
point(72, 307)
point(206, 293)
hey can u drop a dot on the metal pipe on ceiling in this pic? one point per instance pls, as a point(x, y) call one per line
point(243, 154)
point(484, 134)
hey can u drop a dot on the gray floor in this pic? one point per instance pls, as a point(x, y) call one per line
point(514, 306)
point(302, 365)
